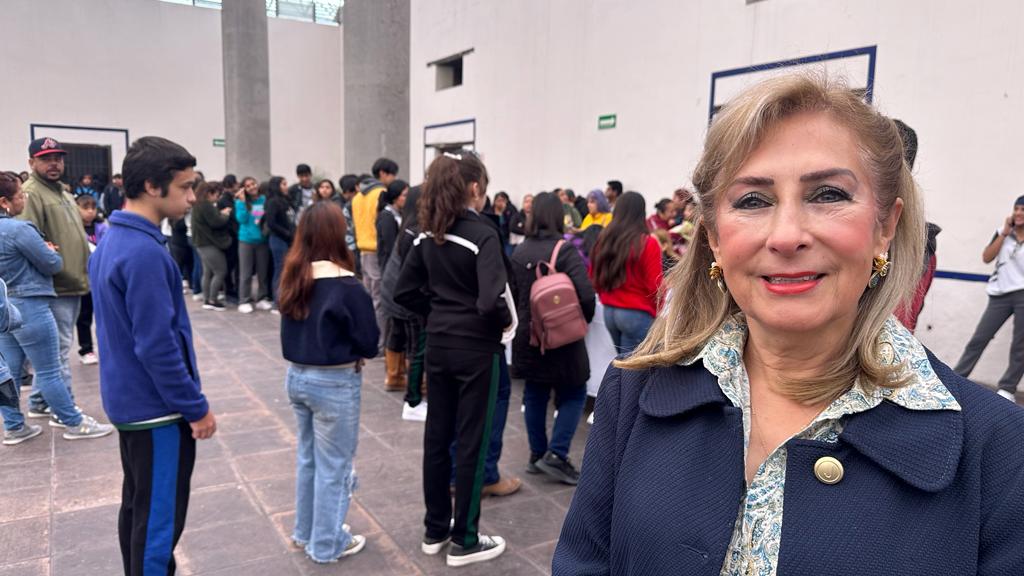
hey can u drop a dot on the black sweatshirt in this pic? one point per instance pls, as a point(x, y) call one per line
point(341, 326)
point(279, 215)
point(458, 286)
point(387, 235)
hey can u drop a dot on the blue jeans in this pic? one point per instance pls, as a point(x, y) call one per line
point(326, 406)
point(278, 250)
point(570, 399)
point(627, 327)
point(65, 312)
point(491, 474)
point(37, 339)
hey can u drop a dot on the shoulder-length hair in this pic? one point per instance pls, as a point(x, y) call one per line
point(698, 308)
point(622, 241)
point(547, 217)
point(320, 236)
point(447, 192)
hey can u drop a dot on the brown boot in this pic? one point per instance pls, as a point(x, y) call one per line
point(393, 362)
point(505, 486)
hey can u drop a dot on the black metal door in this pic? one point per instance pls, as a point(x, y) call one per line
point(87, 159)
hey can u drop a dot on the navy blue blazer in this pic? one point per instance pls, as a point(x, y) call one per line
point(924, 493)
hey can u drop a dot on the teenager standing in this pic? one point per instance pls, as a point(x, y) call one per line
point(149, 380)
point(455, 276)
point(327, 329)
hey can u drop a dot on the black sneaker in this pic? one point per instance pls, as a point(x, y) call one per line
point(215, 306)
point(531, 466)
point(559, 468)
point(487, 548)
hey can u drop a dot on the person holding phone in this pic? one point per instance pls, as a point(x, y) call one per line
point(1005, 298)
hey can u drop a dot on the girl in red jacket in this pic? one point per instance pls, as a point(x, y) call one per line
point(626, 269)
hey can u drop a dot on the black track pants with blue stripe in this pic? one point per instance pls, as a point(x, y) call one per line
point(157, 464)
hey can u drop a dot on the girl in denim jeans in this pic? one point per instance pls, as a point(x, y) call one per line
point(327, 328)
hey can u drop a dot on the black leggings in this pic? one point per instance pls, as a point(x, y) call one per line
point(84, 326)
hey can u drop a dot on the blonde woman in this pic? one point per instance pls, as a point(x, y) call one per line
point(779, 420)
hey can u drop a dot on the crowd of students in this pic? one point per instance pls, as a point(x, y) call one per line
point(440, 278)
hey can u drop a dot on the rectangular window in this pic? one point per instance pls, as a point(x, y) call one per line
point(448, 70)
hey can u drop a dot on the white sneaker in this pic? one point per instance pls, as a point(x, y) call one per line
point(1007, 394)
point(197, 297)
point(89, 359)
point(264, 305)
point(245, 308)
point(87, 428)
point(417, 414)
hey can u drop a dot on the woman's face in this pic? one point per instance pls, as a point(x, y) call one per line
point(324, 190)
point(284, 186)
point(798, 227)
point(528, 203)
point(592, 206)
point(16, 204)
point(500, 204)
point(1018, 215)
point(251, 187)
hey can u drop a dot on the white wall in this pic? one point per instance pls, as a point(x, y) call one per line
point(542, 72)
point(155, 68)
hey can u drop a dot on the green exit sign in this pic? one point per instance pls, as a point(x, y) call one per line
point(606, 122)
point(218, 142)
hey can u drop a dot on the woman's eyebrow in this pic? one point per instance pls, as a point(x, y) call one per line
point(826, 174)
point(754, 181)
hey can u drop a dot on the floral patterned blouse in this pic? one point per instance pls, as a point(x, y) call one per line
point(754, 549)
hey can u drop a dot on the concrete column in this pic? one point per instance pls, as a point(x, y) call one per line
point(243, 29)
point(376, 68)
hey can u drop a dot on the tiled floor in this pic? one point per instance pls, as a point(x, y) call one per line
point(58, 505)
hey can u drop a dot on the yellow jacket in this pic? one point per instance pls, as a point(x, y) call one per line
point(602, 219)
point(364, 218)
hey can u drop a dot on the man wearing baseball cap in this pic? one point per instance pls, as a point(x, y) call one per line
point(55, 214)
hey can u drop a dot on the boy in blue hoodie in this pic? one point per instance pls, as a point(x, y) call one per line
point(149, 380)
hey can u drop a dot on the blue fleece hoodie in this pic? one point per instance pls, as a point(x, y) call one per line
point(145, 339)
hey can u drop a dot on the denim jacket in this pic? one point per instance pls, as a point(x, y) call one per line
point(10, 319)
point(28, 264)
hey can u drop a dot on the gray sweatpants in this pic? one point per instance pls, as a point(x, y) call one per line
point(999, 310)
point(253, 258)
point(215, 268)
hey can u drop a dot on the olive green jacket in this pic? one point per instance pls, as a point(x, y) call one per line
point(56, 215)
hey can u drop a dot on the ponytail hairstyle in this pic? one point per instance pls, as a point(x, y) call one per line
point(622, 241)
point(448, 190)
point(320, 236)
point(9, 184)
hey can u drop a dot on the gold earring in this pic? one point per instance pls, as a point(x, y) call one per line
point(879, 269)
point(715, 272)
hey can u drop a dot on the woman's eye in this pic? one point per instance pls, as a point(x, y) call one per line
point(829, 194)
point(751, 201)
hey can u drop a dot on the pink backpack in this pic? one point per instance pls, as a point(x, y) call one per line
point(556, 318)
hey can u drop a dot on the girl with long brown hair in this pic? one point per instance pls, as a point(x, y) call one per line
point(327, 329)
point(455, 276)
point(626, 269)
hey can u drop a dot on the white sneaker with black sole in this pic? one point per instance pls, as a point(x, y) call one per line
point(487, 548)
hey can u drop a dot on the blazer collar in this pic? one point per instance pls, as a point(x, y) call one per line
point(921, 447)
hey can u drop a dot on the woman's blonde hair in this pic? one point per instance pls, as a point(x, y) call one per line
point(696, 307)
